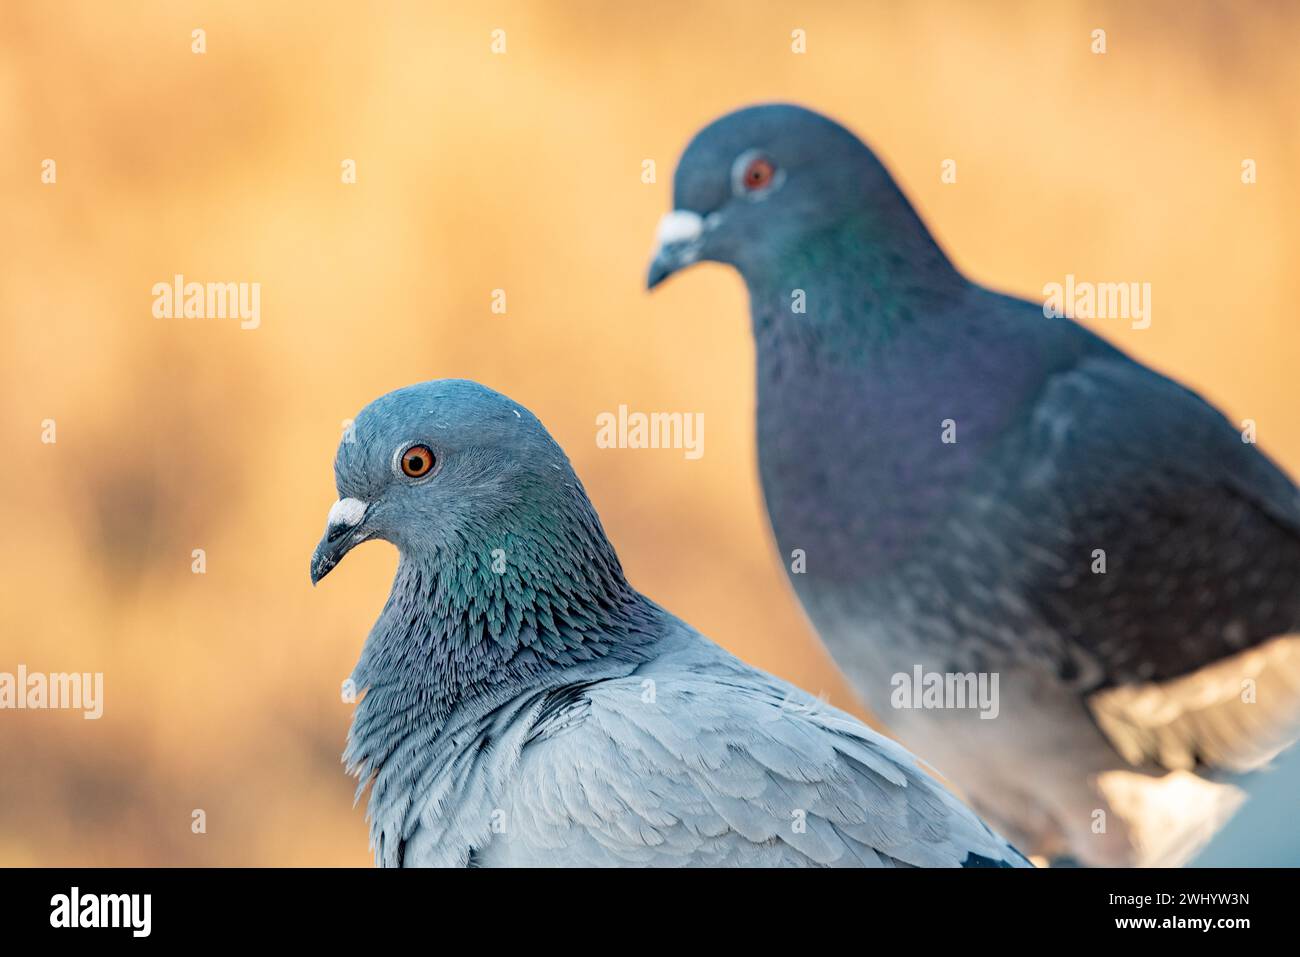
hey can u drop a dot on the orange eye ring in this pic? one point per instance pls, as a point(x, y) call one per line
point(758, 174)
point(417, 461)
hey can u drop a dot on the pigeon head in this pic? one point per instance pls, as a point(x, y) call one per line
point(505, 574)
point(444, 468)
point(757, 182)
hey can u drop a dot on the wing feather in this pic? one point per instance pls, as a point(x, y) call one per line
point(725, 772)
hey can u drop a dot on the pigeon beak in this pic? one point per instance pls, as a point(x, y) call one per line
point(342, 533)
point(678, 243)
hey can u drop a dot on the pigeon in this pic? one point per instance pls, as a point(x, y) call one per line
point(971, 487)
point(523, 705)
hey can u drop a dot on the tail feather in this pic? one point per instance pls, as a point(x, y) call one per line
point(1212, 732)
point(1226, 719)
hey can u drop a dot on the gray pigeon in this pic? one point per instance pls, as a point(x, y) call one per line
point(524, 705)
point(973, 490)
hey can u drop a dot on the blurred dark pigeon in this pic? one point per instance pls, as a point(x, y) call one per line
point(524, 705)
point(976, 488)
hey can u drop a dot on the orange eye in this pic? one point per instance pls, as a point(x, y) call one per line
point(758, 174)
point(417, 460)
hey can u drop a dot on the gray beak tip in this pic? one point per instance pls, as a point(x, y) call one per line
point(679, 242)
point(327, 556)
point(659, 271)
point(343, 530)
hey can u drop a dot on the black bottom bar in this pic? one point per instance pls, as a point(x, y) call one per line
point(347, 908)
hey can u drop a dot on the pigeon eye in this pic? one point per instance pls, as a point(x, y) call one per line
point(754, 177)
point(417, 461)
point(757, 174)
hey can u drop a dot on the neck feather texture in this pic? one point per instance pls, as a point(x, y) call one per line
point(863, 282)
point(503, 616)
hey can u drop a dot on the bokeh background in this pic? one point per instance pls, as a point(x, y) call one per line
point(521, 172)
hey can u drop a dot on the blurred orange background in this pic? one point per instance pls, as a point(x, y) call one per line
point(521, 172)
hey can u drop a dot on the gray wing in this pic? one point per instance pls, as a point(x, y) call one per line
point(680, 769)
point(1201, 532)
point(1201, 535)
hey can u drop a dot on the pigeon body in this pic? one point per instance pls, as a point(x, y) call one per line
point(525, 706)
point(954, 465)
